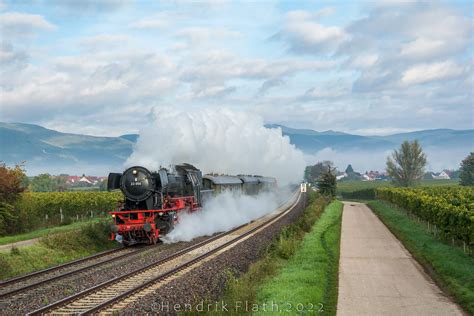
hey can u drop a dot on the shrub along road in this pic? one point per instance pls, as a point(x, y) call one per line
point(377, 275)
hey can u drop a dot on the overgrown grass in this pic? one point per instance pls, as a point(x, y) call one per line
point(308, 281)
point(286, 246)
point(449, 266)
point(54, 249)
point(45, 231)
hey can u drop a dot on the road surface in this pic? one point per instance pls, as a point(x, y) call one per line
point(19, 244)
point(378, 276)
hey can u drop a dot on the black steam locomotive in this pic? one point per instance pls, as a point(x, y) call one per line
point(153, 200)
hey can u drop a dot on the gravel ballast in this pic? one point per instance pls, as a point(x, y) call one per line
point(35, 298)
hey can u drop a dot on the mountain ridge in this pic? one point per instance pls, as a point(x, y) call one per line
point(47, 150)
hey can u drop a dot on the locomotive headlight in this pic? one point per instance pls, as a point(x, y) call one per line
point(113, 215)
point(134, 171)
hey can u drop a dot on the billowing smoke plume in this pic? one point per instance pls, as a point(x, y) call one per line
point(222, 213)
point(217, 140)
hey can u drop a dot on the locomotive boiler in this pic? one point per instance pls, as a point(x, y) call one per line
point(153, 200)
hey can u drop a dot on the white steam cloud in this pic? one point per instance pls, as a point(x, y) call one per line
point(217, 140)
point(222, 213)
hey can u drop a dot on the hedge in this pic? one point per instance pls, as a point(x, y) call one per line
point(450, 209)
point(42, 209)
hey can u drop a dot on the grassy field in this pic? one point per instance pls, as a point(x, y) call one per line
point(244, 288)
point(45, 231)
point(307, 283)
point(449, 266)
point(54, 249)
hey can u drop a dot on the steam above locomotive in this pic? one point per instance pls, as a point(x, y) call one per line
point(153, 200)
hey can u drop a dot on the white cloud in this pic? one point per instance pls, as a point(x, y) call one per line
point(423, 73)
point(21, 24)
point(306, 35)
point(422, 47)
point(364, 61)
point(159, 20)
point(106, 40)
point(325, 11)
point(198, 35)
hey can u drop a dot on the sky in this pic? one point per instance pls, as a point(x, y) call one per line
point(369, 68)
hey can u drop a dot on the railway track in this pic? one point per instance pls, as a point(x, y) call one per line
point(112, 295)
point(20, 284)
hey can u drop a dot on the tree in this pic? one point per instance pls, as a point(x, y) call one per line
point(466, 173)
point(11, 182)
point(10, 189)
point(43, 183)
point(327, 183)
point(406, 166)
point(312, 173)
point(349, 169)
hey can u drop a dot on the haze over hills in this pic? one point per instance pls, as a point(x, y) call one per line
point(46, 150)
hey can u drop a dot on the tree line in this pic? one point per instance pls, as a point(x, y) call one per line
point(405, 167)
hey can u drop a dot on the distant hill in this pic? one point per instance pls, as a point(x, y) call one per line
point(311, 141)
point(46, 150)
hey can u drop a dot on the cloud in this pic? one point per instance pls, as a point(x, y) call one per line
point(9, 56)
point(87, 6)
point(305, 35)
point(218, 65)
point(106, 41)
point(23, 24)
point(158, 21)
point(423, 73)
point(325, 71)
point(422, 47)
point(269, 84)
point(197, 35)
point(401, 44)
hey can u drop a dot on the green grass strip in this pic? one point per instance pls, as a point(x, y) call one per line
point(307, 283)
point(449, 266)
point(44, 231)
point(54, 249)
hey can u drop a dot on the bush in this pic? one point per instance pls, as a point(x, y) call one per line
point(90, 236)
point(364, 194)
point(451, 209)
point(42, 209)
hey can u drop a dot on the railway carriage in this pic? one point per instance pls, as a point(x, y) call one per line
point(223, 183)
point(250, 184)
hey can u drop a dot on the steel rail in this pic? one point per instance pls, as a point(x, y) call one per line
point(45, 272)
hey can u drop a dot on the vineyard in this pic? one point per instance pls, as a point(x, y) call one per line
point(43, 209)
point(449, 210)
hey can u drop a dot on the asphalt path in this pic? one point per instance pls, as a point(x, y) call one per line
point(378, 276)
point(19, 244)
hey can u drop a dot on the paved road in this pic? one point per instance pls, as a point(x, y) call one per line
point(378, 276)
point(19, 244)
